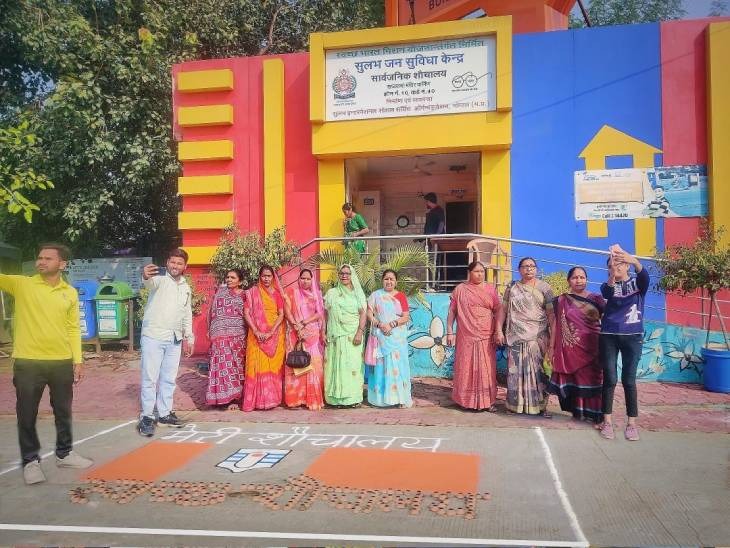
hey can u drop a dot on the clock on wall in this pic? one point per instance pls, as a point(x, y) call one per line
point(402, 221)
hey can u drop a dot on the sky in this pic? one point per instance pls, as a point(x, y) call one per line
point(696, 8)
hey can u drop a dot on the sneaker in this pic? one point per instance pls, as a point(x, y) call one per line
point(146, 427)
point(73, 460)
point(32, 473)
point(171, 420)
point(607, 431)
point(632, 432)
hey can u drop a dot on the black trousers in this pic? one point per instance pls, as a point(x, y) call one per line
point(609, 348)
point(30, 378)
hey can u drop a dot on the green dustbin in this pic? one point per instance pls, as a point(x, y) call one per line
point(112, 310)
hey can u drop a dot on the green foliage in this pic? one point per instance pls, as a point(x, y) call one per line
point(704, 264)
point(92, 78)
point(19, 148)
point(558, 281)
point(408, 261)
point(250, 251)
point(198, 299)
point(718, 8)
point(627, 12)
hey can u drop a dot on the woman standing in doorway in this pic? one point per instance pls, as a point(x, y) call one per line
point(528, 305)
point(355, 226)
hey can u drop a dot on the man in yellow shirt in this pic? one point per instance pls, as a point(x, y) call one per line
point(47, 351)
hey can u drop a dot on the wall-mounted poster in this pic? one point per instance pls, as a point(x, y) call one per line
point(676, 191)
point(412, 79)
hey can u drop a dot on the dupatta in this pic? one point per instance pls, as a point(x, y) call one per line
point(259, 299)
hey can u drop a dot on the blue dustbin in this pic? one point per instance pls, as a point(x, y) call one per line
point(87, 315)
point(716, 373)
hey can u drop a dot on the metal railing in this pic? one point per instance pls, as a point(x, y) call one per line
point(447, 271)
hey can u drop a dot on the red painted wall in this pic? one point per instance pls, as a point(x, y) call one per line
point(684, 136)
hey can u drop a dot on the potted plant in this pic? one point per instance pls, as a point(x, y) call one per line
point(703, 265)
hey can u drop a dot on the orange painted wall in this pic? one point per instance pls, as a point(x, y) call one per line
point(527, 15)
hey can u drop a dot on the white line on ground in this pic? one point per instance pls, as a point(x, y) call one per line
point(46, 455)
point(559, 488)
point(281, 535)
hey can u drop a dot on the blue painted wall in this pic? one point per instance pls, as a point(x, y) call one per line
point(671, 353)
point(567, 85)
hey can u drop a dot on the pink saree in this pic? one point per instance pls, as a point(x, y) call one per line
point(475, 362)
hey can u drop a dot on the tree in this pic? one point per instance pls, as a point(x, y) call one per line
point(625, 12)
point(719, 8)
point(92, 78)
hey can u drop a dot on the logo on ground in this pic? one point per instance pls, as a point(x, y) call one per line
point(248, 459)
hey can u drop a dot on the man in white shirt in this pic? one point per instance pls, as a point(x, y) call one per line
point(167, 331)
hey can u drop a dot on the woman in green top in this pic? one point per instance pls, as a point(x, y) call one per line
point(346, 307)
point(355, 225)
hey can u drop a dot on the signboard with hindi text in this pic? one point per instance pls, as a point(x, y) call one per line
point(414, 79)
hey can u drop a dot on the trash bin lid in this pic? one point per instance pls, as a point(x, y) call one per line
point(86, 289)
point(115, 291)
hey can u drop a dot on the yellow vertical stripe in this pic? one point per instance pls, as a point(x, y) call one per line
point(644, 229)
point(718, 122)
point(331, 194)
point(274, 171)
point(496, 201)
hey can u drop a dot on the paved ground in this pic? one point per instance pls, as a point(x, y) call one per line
point(111, 391)
point(552, 482)
point(668, 490)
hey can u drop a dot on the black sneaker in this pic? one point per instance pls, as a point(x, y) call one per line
point(171, 420)
point(146, 427)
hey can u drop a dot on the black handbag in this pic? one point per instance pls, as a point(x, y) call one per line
point(298, 358)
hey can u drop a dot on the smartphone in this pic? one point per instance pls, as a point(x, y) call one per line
point(161, 271)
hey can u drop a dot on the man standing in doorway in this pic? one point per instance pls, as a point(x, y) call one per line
point(47, 352)
point(167, 331)
point(435, 224)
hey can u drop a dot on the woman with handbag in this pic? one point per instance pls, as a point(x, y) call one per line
point(264, 315)
point(304, 382)
point(227, 333)
point(389, 381)
point(345, 307)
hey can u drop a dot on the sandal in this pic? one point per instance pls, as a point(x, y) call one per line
point(545, 414)
point(492, 409)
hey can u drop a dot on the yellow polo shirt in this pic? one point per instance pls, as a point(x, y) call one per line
point(46, 323)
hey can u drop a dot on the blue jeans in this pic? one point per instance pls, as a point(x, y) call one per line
point(160, 362)
point(609, 347)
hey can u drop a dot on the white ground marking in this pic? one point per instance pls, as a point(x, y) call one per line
point(575, 525)
point(282, 535)
point(46, 455)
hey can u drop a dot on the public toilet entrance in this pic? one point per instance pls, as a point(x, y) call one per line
point(388, 192)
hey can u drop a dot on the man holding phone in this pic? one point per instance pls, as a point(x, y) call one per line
point(167, 332)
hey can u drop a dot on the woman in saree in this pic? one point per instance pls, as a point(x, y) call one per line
point(389, 381)
point(345, 307)
point(475, 305)
point(354, 225)
point(577, 376)
point(264, 314)
point(227, 333)
point(305, 314)
point(528, 305)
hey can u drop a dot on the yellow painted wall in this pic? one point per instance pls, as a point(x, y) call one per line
point(198, 151)
point(486, 132)
point(201, 220)
point(331, 194)
point(208, 115)
point(274, 158)
point(200, 185)
point(718, 124)
point(201, 81)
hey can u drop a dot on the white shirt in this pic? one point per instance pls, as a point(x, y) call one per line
point(168, 315)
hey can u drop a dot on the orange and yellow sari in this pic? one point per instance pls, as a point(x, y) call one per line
point(262, 388)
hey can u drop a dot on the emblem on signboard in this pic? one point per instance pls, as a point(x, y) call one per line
point(248, 459)
point(344, 85)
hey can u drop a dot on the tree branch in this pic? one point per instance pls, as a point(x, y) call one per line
point(270, 39)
